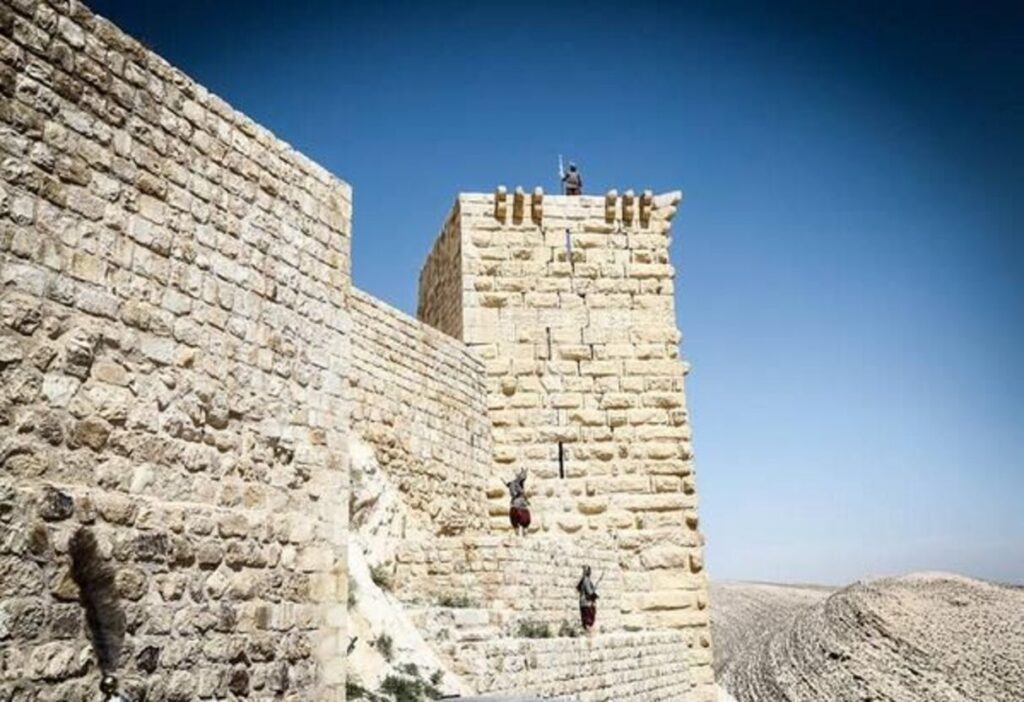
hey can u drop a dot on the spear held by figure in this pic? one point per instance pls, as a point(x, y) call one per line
point(103, 614)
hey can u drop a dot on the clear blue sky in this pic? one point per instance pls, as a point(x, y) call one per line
point(850, 251)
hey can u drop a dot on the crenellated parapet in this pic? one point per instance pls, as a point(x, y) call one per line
point(626, 210)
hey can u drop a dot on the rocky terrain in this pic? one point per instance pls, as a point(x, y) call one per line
point(931, 637)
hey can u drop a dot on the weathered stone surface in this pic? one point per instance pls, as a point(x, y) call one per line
point(183, 359)
point(627, 667)
point(92, 432)
point(419, 401)
point(170, 276)
point(572, 314)
point(55, 505)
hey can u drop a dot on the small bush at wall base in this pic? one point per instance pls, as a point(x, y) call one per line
point(568, 630)
point(381, 577)
point(385, 646)
point(405, 686)
point(533, 630)
point(354, 690)
point(409, 689)
point(458, 601)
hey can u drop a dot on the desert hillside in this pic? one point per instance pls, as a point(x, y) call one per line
point(931, 637)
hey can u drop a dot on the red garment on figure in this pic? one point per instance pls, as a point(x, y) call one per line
point(520, 517)
point(588, 614)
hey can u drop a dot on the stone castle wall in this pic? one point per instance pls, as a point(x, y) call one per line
point(440, 285)
point(530, 579)
point(173, 362)
point(569, 303)
point(182, 360)
point(624, 667)
point(418, 399)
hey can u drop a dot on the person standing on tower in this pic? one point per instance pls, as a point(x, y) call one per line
point(572, 180)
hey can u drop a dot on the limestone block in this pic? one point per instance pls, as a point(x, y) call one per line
point(666, 502)
point(593, 505)
point(665, 556)
point(610, 206)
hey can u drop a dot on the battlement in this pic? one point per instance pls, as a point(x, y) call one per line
point(507, 251)
point(629, 209)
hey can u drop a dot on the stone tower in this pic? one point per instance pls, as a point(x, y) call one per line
point(568, 301)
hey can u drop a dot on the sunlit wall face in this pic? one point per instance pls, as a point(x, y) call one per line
point(849, 249)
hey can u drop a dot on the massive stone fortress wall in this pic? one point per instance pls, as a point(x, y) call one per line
point(519, 580)
point(418, 399)
point(569, 302)
point(440, 288)
point(173, 363)
point(624, 667)
point(182, 359)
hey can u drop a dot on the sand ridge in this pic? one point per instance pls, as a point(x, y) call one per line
point(925, 637)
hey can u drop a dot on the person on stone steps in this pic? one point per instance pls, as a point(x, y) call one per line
point(573, 181)
point(588, 600)
point(519, 510)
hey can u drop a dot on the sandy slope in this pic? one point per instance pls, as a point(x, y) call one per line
point(919, 638)
point(745, 615)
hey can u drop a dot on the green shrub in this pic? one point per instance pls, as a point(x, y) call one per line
point(528, 629)
point(458, 601)
point(354, 690)
point(381, 577)
point(411, 688)
point(568, 630)
point(385, 646)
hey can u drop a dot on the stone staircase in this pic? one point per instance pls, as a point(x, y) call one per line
point(517, 579)
point(532, 579)
point(450, 627)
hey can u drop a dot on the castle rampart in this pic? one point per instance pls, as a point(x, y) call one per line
point(184, 365)
point(418, 399)
point(174, 358)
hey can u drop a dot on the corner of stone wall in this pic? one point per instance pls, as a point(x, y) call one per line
point(440, 296)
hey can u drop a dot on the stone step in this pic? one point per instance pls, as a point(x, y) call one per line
point(494, 699)
point(457, 624)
